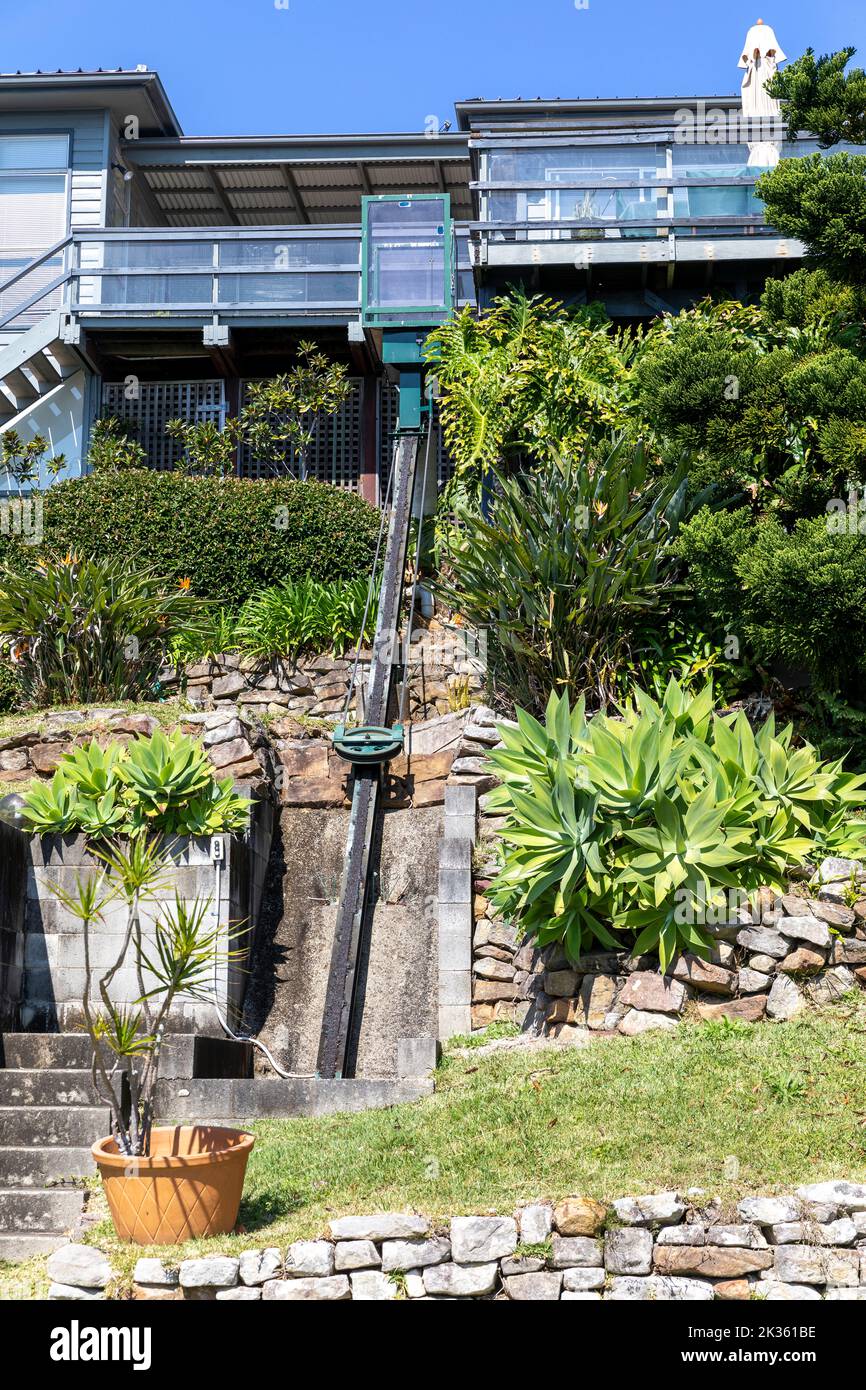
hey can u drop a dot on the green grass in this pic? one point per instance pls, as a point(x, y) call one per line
point(625, 1116)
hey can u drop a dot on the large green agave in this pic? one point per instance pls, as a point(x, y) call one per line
point(163, 784)
point(627, 829)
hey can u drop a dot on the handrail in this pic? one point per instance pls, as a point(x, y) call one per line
point(34, 265)
point(654, 223)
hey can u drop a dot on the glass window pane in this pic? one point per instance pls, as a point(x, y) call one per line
point(407, 254)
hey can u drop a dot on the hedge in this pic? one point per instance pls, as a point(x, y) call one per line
point(227, 536)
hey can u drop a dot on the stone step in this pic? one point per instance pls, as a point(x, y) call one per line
point(39, 1209)
point(50, 1087)
point(60, 1126)
point(39, 1167)
point(45, 1050)
point(15, 1247)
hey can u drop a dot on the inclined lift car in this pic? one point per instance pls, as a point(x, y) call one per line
point(408, 270)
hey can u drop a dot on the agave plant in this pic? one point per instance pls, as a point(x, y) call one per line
point(88, 630)
point(633, 828)
point(163, 784)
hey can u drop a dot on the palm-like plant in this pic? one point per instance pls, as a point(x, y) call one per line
point(177, 957)
point(571, 572)
point(85, 630)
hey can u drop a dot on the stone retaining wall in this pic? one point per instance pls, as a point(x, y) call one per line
point(664, 1247)
point(446, 667)
point(293, 759)
point(776, 956)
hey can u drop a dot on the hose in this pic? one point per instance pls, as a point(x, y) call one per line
point(224, 1023)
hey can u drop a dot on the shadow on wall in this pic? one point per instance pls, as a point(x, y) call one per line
point(13, 891)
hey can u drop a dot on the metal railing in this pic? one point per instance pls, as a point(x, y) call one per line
point(168, 273)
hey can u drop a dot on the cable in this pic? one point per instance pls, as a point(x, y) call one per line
point(371, 589)
point(414, 594)
point(224, 1023)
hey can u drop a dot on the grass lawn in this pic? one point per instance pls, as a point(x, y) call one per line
point(624, 1116)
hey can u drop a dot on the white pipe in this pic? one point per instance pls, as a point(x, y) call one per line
point(224, 1023)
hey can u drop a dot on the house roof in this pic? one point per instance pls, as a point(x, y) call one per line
point(295, 180)
point(126, 92)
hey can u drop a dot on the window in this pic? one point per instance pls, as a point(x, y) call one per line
point(33, 215)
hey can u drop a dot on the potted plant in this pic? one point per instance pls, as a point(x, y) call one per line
point(163, 1185)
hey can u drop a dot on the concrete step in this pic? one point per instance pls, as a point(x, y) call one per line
point(39, 1208)
point(16, 1247)
point(41, 1167)
point(45, 1050)
point(60, 1126)
point(47, 1087)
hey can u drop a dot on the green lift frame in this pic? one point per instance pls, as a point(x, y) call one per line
point(408, 269)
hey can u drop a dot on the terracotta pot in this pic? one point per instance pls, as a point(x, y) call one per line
point(189, 1186)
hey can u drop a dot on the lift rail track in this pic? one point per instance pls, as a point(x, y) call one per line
point(356, 900)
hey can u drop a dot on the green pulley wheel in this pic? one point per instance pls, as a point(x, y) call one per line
point(367, 746)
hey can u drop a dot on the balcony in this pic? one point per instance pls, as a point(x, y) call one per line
point(547, 201)
point(281, 276)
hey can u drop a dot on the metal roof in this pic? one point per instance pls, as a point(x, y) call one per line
point(295, 180)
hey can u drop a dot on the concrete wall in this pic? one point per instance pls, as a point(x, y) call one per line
point(54, 973)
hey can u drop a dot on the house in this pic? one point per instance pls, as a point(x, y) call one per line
point(151, 275)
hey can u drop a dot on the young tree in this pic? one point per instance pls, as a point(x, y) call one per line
point(822, 200)
point(819, 96)
point(282, 417)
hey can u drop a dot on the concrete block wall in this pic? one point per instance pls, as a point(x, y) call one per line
point(51, 943)
point(455, 912)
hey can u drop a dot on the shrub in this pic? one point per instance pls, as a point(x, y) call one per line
point(571, 573)
point(228, 536)
point(11, 694)
point(821, 200)
point(796, 597)
point(526, 373)
point(113, 447)
point(162, 785)
point(305, 615)
point(641, 822)
point(85, 630)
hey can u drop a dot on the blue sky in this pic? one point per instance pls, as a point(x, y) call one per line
point(283, 66)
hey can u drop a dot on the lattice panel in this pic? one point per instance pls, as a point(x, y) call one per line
point(158, 402)
point(336, 453)
point(388, 415)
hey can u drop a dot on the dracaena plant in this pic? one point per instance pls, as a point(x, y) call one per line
point(163, 784)
point(172, 948)
point(630, 828)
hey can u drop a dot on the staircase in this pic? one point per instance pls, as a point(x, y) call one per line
point(49, 1117)
point(34, 367)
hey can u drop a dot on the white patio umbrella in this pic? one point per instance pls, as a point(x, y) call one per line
point(761, 55)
